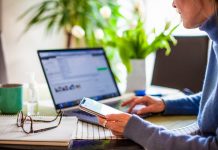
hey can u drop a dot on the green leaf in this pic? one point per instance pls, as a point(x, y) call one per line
point(134, 43)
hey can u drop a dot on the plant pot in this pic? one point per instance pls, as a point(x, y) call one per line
point(122, 75)
point(136, 80)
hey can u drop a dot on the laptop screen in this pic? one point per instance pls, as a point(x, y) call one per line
point(76, 73)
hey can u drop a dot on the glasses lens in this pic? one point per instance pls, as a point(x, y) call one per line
point(27, 125)
point(19, 119)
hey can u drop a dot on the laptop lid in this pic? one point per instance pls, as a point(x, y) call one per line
point(72, 74)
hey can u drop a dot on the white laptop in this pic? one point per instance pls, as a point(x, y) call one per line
point(72, 74)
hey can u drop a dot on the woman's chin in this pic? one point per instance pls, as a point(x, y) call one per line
point(190, 26)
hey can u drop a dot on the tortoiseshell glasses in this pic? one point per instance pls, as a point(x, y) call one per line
point(26, 122)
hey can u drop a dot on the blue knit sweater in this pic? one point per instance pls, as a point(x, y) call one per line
point(205, 104)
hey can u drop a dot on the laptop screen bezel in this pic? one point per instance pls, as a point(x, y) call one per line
point(74, 50)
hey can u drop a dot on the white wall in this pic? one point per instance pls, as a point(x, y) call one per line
point(20, 51)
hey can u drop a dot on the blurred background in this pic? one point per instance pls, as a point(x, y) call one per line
point(19, 47)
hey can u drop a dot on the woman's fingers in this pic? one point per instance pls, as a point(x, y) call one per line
point(153, 104)
point(136, 102)
point(116, 126)
point(116, 133)
point(128, 102)
point(117, 117)
point(113, 117)
point(144, 110)
point(101, 120)
point(115, 122)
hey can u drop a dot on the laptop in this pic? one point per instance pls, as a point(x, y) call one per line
point(72, 74)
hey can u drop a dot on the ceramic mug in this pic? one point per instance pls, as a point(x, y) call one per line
point(11, 98)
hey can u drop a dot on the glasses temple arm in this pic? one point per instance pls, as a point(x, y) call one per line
point(49, 128)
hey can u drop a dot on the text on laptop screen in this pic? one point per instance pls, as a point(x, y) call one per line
point(73, 74)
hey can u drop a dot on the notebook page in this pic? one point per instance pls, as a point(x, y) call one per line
point(90, 131)
point(79, 132)
point(101, 133)
point(95, 131)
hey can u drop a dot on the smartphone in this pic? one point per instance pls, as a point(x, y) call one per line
point(96, 108)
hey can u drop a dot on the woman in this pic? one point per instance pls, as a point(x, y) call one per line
point(194, 13)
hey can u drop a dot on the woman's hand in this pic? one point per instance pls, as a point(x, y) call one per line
point(152, 104)
point(115, 122)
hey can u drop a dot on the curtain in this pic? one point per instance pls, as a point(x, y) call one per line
point(3, 71)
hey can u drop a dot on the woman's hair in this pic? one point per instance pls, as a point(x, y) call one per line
point(215, 3)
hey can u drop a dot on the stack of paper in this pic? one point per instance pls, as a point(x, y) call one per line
point(60, 136)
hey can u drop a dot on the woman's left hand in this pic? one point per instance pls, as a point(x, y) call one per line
point(115, 122)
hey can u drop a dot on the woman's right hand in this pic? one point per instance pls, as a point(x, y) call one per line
point(152, 104)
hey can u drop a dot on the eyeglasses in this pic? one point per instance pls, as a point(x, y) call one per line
point(26, 122)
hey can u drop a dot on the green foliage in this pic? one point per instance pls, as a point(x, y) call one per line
point(134, 43)
point(64, 14)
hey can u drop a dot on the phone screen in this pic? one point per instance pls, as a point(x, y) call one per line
point(97, 108)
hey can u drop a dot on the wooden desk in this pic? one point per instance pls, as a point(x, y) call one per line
point(172, 122)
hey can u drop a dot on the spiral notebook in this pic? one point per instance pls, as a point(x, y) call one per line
point(60, 136)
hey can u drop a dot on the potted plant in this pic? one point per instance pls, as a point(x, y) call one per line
point(134, 46)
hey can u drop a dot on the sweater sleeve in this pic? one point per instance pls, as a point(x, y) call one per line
point(188, 105)
point(153, 137)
